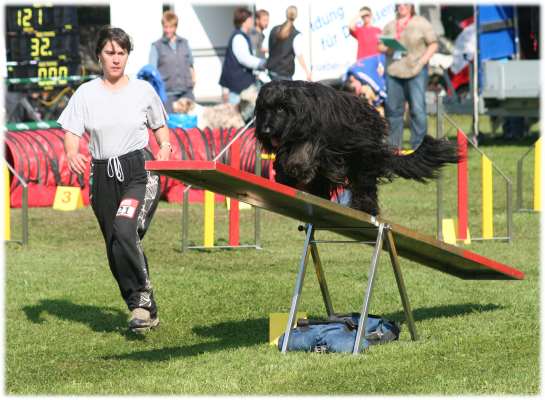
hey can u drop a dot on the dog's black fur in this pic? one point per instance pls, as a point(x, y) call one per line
point(325, 140)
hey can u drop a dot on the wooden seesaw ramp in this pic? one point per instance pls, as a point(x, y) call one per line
point(322, 214)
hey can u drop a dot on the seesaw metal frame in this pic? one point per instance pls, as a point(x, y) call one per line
point(322, 214)
point(384, 238)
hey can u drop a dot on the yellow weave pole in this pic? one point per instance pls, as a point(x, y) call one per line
point(537, 176)
point(208, 219)
point(488, 202)
point(7, 205)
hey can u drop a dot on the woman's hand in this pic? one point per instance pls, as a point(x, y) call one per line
point(163, 154)
point(77, 162)
point(162, 135)
point(384, 49)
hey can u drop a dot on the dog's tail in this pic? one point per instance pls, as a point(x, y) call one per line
point(424, 163)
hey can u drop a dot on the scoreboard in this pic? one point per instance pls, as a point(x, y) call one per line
point(42, 46)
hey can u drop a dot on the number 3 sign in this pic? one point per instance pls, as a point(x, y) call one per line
point(68, 198)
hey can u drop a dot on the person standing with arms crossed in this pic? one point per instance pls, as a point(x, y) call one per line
point(117, 111)
point(407, 73)
point(172, 57)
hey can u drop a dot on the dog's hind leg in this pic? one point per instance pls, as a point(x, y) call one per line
point(364, 194)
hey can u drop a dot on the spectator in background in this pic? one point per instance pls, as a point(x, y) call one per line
point(172, 56)
point(285, 44)
point(239, 64)
point(407, 73)
point(256, 34)
point(365, 78)
point(367, 35)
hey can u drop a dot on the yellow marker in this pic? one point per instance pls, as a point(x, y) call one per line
point(266, 156)
point(449, 231)
point(67, 198)
point(467, 240)
point(406, 152)
point(488, 198)
point(208, 219)
point(7, 205)
point(537, 176)
point(277, 325)
point(241, 205)
point(244, 206)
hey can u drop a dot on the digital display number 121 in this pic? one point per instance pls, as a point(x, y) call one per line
point(24, 17)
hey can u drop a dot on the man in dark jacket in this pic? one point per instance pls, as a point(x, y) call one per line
point(239, 64)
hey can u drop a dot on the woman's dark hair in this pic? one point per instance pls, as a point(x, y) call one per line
point(110, 34)
point(240, 15)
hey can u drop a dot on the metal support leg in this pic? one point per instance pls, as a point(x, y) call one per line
point(298, 287)
point(257, 210)
point(185, 221)
point(519, 184)
point(509, 210)
point(439, 181)
point(257, 227)
point(401, 284)
point(367, 297)
point(24, 215)
point(321, 279)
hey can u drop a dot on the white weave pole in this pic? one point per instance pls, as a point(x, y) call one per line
point(222, 152)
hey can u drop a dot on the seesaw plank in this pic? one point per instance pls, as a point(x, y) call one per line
point(325, 214)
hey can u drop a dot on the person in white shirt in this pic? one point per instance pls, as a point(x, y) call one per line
point(117, 111)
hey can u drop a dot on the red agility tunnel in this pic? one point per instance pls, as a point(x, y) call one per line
point(38, 157)
point(195, 144)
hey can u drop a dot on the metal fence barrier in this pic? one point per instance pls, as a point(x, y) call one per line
point(24, 208)
point(441, 117)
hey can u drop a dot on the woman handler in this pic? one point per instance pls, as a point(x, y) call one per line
point(117, 111)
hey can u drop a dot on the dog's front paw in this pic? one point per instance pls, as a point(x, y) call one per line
point(301, 163)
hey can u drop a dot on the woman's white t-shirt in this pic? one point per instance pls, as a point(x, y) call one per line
point(117, 120)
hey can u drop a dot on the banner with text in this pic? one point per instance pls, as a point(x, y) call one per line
point(333, 49)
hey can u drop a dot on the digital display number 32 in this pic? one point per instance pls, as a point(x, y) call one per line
point(40, 46)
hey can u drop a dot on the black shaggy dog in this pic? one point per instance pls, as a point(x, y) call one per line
point(325, 140)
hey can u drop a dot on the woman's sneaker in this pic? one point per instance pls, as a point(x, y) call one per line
point(141, 320)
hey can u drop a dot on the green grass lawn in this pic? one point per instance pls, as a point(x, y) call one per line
point(66, 323)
